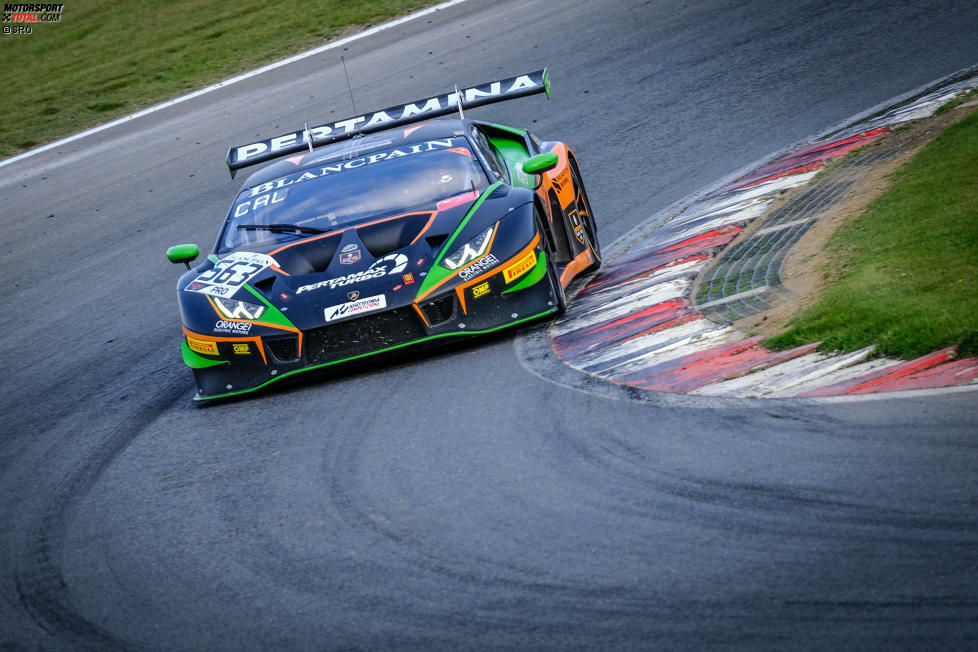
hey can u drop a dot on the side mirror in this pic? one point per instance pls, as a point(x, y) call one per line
point(540, 163)
point(183, 253)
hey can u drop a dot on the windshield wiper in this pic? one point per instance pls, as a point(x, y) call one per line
point(281, 228)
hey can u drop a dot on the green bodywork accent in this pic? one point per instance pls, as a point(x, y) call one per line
point(195, 361)
point(514, 153)
point(540, 163)
point(538, 272)
point(213, 258)
point(366, 355)
point(272, 315)
point(513, 130)
point(437, 273)
point(546, 81)
point(182, 253)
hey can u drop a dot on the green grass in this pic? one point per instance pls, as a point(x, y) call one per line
point(909, 280)
point(957, 101)
point(106, 59)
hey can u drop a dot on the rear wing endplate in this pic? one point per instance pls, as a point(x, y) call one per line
point(395, 116)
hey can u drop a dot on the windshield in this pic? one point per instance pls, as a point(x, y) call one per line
point(339, 193)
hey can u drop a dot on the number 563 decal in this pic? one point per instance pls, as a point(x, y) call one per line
point(229, 274)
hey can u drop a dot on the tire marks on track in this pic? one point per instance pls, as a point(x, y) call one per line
point(41, 586)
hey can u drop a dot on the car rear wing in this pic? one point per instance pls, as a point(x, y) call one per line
point(395, 116)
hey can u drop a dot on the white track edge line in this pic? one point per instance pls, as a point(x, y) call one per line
point(233, 80)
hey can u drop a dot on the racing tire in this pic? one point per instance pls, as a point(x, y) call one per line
point(547, 246)
point(587, 218)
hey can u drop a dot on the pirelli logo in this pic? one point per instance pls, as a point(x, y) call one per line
point(520, 267)
point(202, 346)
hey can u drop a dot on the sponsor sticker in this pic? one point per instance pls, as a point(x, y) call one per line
point(575, 220)
point(202, 346)
point(479, 290)
point(561, 179)
point(264, 194)
point(242, 348)
point(389, 264)
point(407, 278)
point(579, 233)
point(232, 327)
point(478, 267)
point(520, 267)
point(350, 257)
point(400, 114)
point(358, 307)
point(230, 273)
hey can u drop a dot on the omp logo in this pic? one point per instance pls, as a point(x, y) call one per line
point(480, 290)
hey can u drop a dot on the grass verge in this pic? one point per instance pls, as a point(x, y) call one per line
point(106, 59)
point(909, 279)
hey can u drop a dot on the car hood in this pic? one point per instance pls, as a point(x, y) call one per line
point(383, 261)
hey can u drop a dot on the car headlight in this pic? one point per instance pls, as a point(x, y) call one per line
point(234, 309)
point(472, 250)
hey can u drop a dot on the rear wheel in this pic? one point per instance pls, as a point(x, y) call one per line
point(587, 219)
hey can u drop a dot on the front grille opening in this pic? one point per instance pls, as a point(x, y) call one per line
point(440, 310)
point(386, 237)
point(367, 334)
point(284, 349)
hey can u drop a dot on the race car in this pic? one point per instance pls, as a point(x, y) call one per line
point(383, 231)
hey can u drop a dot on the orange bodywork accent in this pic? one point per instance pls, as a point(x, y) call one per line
point(560, 181)
point(461, 299)
point(478, 279)
point(575, 267)
point(417, 309)
point(280, 327)
point(214, 338)
point(354, 226)
point(455, 272)
point(425, 228)
point(562, 176)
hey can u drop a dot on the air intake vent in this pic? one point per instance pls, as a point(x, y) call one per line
point(308, 257)
point(436, 241)
point(385, 237)
point(440, 310)
point(284, 349)
point(265, 285)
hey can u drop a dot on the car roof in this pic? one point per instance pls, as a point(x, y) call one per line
point(398, 136)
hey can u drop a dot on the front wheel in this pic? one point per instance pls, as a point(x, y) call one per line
point(587, 219)
point(546, 245)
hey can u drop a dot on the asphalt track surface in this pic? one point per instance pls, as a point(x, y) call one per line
point(460, 500)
